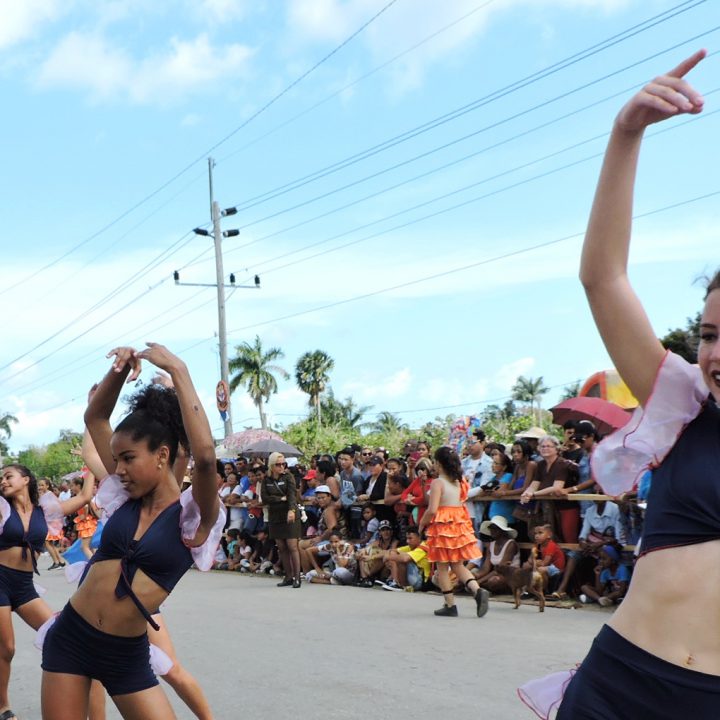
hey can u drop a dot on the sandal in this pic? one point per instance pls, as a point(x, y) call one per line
point(554, 596)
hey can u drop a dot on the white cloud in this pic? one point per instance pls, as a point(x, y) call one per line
point(371, 388)
point(92, 62)
point(22, 19)
point(506, 376)
point(221, 10)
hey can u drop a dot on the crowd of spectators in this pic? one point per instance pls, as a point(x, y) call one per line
point(360, 510)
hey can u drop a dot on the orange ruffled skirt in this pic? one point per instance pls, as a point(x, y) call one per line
point(450, 536)
point(85, 526)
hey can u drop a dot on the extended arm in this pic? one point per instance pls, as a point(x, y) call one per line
point(618, 313)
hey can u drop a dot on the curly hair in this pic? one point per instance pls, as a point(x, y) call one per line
point(32, 481)
point(449, 461)
point(155, 417)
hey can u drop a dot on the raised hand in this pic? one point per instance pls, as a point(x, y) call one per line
point(162, 378)
point(666, 96)
point(160, 356)
point(125, 356)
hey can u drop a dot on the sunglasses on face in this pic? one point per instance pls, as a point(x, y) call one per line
point(281, 464)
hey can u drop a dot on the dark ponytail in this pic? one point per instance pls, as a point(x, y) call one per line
point(449, 461)
point(156, 418)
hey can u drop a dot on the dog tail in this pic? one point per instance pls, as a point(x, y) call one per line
point(533, 556)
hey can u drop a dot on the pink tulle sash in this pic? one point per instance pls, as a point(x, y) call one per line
point(203, 555)
point(677, 397)
point(5, 510)
point(74, 571)
point(110, 496)
point(54, 516)
point(160, 661)
point(544, 695)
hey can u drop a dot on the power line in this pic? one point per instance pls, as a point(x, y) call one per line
point(457, 191)
point(453, 271)
point(191, 164)
point(473, 105)
point(362, 77)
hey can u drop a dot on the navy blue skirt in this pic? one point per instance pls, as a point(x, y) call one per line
point(620, 681)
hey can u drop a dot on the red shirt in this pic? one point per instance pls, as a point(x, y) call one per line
point(553, 551)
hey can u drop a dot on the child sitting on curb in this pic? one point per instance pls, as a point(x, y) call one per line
point(408, 565)
point(611, 579)
point(551, 558)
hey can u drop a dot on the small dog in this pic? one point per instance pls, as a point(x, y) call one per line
point(528, 579)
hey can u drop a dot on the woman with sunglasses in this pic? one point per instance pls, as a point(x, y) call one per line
point(279, 494)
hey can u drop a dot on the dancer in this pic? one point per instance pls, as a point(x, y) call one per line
point(279, 494)
point(44, 486)
point(659, 655)
point(101, 632)
point(26, 521)
point(450, 536)
point(186, 687)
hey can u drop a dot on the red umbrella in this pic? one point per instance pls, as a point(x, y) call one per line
point(606, 416)
point(240, 440)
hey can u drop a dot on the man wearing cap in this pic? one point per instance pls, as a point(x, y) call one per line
point(308, 497)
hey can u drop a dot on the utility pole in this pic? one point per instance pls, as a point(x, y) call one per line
point(218, 234)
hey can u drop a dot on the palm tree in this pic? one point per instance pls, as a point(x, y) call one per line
point(5, 430)
point(344, 413)
point(312, 375)
point(253, 369)
point(570, 391)
point(529, 390)
point(387, 423)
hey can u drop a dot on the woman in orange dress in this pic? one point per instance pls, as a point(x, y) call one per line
point(86, 519)
point(450, 537)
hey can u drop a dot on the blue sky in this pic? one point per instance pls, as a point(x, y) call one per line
point(107, 101)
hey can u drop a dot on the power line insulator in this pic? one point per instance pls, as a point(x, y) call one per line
point(176, 276)
point(232, 278)
point(229, 211)
point(230, 233)
point(257, 281)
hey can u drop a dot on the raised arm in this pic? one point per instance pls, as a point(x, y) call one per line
point(103, 398)
point(618, 313)
point(84, 497)
point(197, 428)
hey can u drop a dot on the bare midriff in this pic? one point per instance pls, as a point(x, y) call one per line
point(12, 557)
point(95, 600)
point(672, 609)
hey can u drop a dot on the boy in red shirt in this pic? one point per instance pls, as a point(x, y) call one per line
point(551, 558)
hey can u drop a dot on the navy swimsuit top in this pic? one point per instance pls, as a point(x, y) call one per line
point(684, 502)
point(14, 535)
point(160, 553)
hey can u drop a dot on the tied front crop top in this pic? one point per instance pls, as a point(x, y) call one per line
point(683, 506)
point(14, 535)
point(160, 553)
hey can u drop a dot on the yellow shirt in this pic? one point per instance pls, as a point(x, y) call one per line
point(419, 557)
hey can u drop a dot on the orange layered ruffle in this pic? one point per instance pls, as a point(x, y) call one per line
point(450, 536)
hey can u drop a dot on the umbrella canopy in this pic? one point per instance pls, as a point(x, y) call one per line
point(606, 416)
point(263, 448)
point(534, 433)
point(239, 441)
point(75, 475)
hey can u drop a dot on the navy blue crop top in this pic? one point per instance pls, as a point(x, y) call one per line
point(14, 535)
point(684, 502)
point(160, 553)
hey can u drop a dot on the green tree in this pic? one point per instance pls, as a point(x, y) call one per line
point(56, 459)
point(530, 390)
point(6, 422)
point(388, 423)
point(684, 341)
point(312, 374)
point(345, 413)
point(254, 369)
point(570, 391)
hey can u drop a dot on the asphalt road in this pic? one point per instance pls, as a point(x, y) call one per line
point(340, 652)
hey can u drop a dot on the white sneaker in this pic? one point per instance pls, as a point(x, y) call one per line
point(584, 599)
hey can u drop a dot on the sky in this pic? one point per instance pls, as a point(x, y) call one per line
point(412, 179)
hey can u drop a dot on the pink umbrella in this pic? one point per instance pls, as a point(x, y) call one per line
point(240, 440)
point(605, 415)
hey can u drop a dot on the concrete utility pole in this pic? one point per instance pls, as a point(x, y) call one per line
point(218, 234)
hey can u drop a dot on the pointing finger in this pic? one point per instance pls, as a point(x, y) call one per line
point(687, 65)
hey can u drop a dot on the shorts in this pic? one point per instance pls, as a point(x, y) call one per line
point(620, 681)
point(414, 576)
point(553, 570)
point(121, 664)
point(16, 587)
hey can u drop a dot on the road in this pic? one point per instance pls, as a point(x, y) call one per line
point(340, 652)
